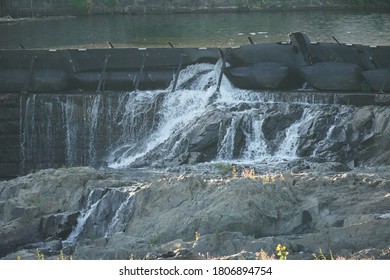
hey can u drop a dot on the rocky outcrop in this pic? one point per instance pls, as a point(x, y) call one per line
point(41, 206)
point(124, 216)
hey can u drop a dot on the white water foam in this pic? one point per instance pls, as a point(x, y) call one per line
point(196, 96)
point(288, 148)
point(178, 109)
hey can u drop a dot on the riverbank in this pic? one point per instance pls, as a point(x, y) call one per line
point(80, 7)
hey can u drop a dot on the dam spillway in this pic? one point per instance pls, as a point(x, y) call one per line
point(199, 107)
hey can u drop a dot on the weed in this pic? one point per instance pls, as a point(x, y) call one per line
point(271, 178)
point(62, 257)
point(322, 256)
point(248, 173)
point(40, 256)
point(262, 255)
point(153, 240)
point(224, 167)
point(197, 236)
point(234, 171)
point(281, 252)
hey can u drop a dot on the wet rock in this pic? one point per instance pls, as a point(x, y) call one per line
point(276, 121)
point(178, 254)
point(58, 225)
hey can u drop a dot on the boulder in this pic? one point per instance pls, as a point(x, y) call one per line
point(41, 205)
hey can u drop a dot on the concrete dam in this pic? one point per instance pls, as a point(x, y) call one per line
point(161, 107)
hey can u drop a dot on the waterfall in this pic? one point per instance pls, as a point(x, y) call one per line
point(106, 211)
point(288, 147)
point(196, 84)
point(27, 139)
point(256, 146)
point(93, 115)
point(68, 108)
point(92, 202)
point(226, 145)
point(118, 221)
point(161, 127)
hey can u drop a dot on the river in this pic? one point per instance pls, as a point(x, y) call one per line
point(196, 30)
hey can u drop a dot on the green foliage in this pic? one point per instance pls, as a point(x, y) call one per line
point(224, 168)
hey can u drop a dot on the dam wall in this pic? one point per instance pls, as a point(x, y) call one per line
point(9, 136)
point(164, 107)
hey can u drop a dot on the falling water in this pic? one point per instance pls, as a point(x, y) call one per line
point(92, 202)
point(118, 223)
point(177, 110)
point(144, 128)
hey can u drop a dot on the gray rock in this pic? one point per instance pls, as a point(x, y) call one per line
point(338, 211)
point(39, 205)
point(178, 254)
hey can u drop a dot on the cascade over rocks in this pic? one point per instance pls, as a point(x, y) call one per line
point(122, 215)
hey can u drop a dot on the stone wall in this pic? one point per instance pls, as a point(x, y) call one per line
point(27, 8)
point(9, 136)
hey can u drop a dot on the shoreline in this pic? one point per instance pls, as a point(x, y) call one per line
point(15, 16)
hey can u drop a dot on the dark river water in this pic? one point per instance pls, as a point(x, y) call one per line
point(196, 30)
